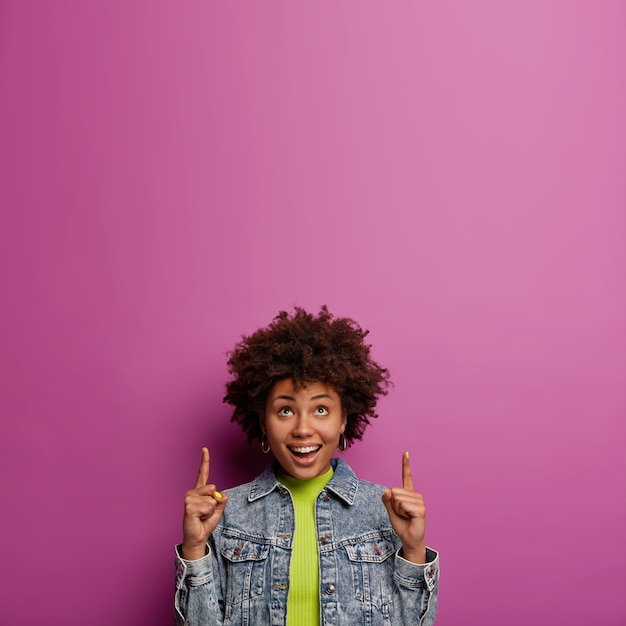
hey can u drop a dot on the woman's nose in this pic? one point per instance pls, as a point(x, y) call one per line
point(302, 426)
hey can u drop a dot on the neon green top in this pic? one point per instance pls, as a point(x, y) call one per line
point(303, 601)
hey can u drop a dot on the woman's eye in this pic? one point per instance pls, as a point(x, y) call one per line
point(285, 412)
point(321, 410)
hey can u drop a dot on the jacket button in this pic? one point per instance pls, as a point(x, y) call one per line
point(330, 589)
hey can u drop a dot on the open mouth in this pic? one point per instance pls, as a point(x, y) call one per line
point(304, 452)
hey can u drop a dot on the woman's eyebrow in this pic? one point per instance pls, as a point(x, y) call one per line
point(284, 397)
point(320, 396)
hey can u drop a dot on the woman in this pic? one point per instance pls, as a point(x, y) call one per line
point(306, 542)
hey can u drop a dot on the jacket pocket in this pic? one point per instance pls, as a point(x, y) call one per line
point(371, 562)
point(245, 561)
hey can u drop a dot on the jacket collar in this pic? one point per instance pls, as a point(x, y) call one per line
point(343, 484)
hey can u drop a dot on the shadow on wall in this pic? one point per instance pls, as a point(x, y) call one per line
point(233, 460)
point(243, 461)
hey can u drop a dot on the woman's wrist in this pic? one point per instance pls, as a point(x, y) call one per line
point(193, 553)
point(414, 555)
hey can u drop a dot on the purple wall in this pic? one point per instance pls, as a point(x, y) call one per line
point(450, 174)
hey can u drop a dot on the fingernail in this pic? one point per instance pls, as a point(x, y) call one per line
point(406, 454)
point(217, 495)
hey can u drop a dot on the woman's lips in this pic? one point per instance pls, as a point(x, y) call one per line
point(304, 454)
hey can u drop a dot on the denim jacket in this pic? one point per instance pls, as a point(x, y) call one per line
point(244, 578)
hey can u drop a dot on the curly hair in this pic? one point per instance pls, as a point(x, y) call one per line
point(307, 349)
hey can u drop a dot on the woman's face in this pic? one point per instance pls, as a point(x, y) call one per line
point(303, 427)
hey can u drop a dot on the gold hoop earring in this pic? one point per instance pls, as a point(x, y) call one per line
point(265, 446)
point(342, 446)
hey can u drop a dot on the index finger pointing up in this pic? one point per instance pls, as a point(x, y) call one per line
point(407, 478)
point(203, 472)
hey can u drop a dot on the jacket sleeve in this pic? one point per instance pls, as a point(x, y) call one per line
point(198, 593)
point(415, 594)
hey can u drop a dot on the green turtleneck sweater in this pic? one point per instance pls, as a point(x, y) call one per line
point(303, 601)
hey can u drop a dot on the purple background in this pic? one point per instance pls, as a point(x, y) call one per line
point(450, 174)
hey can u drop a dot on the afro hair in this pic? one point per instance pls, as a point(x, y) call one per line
point(306, 348)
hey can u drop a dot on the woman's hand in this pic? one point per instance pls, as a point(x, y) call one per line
point(407, 514)
point(204, 506)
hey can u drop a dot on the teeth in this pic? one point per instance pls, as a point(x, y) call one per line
point(305, 450)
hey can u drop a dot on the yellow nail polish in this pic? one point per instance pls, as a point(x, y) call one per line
point(217, 495)
point(406, 454)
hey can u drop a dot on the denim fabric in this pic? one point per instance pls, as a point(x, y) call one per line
point(244, 578)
